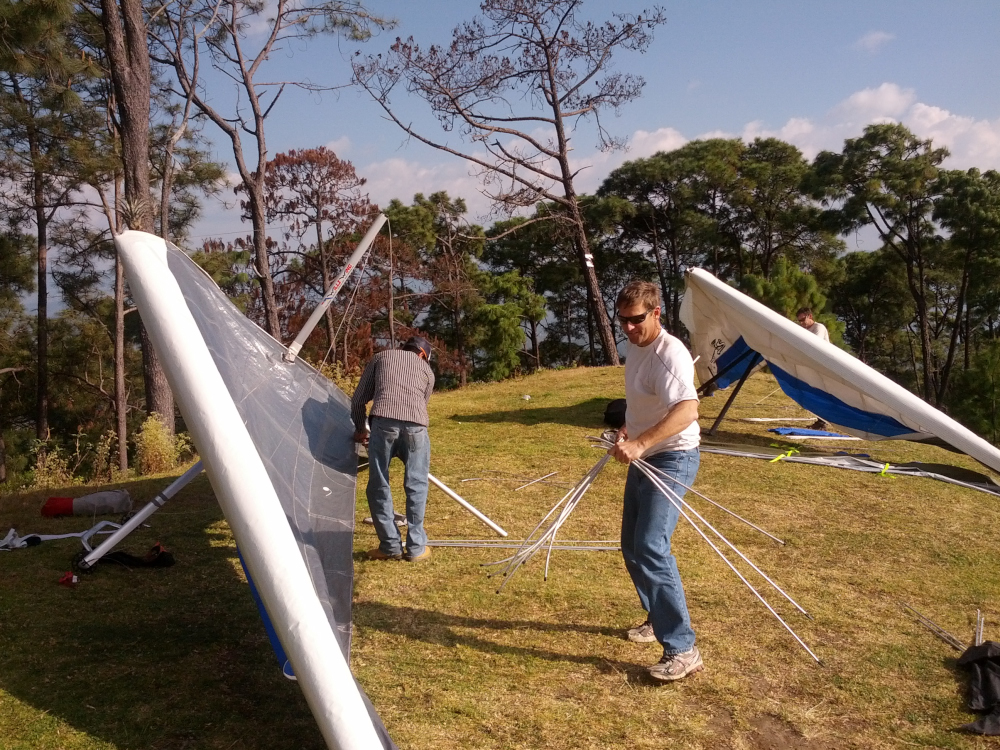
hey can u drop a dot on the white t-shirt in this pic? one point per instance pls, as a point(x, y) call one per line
point(820, 330)
point(657, 377)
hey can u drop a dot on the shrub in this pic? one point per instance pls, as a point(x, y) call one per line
point(52, 468)
point(155, 448)
point(345, 380)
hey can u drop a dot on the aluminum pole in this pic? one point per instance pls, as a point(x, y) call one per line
point(465, 504)
point(141, 515)
point(352, 263)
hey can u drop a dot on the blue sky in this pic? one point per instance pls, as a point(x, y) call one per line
point(813, 73)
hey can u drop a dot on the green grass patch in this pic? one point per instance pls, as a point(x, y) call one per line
point(177, 658)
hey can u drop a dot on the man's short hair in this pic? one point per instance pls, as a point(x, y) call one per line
point(638, 292)
point(418, 345)
point(805, 311)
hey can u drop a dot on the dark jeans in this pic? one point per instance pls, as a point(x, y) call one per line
point(648, 521)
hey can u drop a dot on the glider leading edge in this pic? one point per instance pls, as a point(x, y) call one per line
point(275, 439)
point(726, 326)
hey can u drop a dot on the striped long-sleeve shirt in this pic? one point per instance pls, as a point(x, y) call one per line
point(399, 385)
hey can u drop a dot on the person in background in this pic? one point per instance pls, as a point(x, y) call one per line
point(661, 427)
point(398, 383)
point(806, 320)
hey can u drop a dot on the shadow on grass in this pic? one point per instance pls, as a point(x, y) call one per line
point(585, 414)
point(963, 689)
point(439, 629)
point(143, 659)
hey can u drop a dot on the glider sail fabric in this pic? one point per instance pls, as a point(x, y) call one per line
point(728, 327)
point(276, 442)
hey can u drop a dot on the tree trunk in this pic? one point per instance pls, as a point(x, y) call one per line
point(331, 330)
point(536, 352)
point(392, 302)
point(595, 298)
point(955, 331)
point(255, 197)
point(3, 459)
point(128, 53)
point(42, 370)
point(590, 335)
point(580, 240)
point(121, 424)
point(965, 338)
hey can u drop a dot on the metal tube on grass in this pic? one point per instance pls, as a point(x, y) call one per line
point(940, 632)
point(465, 504)
point(535, 480)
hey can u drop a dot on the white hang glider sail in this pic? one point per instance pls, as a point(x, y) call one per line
point(729, 330)
point(276, 442)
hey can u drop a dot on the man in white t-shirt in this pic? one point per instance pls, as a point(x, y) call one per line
point(806, 320)
point(661, 427)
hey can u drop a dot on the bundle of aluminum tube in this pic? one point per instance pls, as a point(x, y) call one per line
point(561, 511)
point(940, 632)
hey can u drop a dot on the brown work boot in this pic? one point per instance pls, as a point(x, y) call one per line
point(378, 554)
point(425, 555)
point(677, 666)
point(641, 633)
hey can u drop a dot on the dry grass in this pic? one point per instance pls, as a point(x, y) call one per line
point(176, 658)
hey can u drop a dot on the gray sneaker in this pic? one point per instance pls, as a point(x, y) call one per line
point(641, 633)
point(677, 666)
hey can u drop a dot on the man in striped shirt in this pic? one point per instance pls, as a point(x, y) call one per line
point(398, 382)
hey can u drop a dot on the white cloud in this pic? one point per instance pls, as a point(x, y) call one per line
point(643, 143)
point(403, 178)
point(873, 105)
point(873, 41)
point(972, 142)
point(339, 146)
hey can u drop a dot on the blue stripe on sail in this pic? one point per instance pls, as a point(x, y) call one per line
point(272, 636)
point(832, 409)
point(738, 349)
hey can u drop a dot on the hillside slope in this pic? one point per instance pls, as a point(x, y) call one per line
point(177, 658)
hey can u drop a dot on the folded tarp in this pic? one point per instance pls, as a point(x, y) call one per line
point(982, 662)
point(806, 432)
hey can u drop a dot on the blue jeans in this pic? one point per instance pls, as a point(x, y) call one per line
point(648, 521)
point(410, 443)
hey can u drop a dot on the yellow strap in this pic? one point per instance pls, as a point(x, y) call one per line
point(783, 455)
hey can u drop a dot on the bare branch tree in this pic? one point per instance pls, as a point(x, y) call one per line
point(239, 37)
point(514, 84)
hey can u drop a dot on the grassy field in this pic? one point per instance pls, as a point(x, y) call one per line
point(177, 658)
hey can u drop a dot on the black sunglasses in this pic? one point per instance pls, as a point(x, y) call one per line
point(633, 319)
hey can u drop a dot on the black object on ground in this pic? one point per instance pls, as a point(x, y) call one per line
point(157, 557)
point(983, 664)
point(614, 414)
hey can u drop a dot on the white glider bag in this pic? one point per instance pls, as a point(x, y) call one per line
point(727, 327)
point(276, 441)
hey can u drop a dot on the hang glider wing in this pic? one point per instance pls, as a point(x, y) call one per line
point(275, 440)
point(728, 329)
